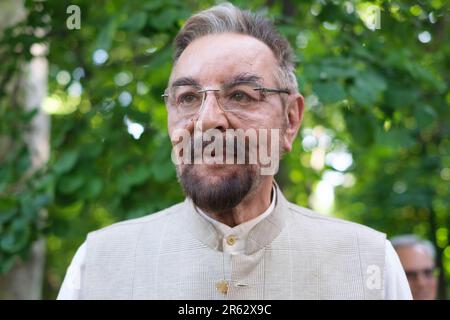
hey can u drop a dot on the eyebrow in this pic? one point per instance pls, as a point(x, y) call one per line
point(185, 81)
point(241, 78)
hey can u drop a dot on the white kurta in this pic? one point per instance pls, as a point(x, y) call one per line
point(233, 243)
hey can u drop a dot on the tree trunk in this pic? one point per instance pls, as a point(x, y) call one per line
point(25, 279)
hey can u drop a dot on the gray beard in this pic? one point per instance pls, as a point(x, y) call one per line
point(221, 196)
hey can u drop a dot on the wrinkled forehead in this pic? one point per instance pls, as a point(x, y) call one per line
point(214, 59)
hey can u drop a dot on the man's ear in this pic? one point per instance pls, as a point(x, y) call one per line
point(294, 115)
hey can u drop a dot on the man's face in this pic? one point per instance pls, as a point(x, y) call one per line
point(418, 267)
point(214, 61)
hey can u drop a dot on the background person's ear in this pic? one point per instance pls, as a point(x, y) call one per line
point(294, 115)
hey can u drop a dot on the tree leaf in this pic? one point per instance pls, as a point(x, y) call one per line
point(329, 92)
point(66, 161)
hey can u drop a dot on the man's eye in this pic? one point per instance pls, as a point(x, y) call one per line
point(240, 96)
point(188, 98)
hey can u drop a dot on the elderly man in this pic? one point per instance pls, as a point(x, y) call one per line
point(235, 236)
point(417, 257)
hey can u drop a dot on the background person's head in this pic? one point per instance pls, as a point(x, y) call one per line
point(234, 51)
point(417, 257)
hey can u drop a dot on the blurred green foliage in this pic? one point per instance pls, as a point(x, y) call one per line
point(379, 96)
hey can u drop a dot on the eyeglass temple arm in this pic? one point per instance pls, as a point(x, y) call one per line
point(273, 90)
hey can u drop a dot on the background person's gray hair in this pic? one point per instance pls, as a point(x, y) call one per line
point(225, 18)
point(410, 240)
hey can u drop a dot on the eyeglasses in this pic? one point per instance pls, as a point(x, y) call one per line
point(189, 100)
point(428, 273)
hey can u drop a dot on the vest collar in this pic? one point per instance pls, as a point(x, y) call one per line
point(262, 234)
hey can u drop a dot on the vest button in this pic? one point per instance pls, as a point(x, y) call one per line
point(231, 240)
point(222, 286)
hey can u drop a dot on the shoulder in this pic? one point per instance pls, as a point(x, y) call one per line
point(331, 225)
point(132, 227)
point(337, 240)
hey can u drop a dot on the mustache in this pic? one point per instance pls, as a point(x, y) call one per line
point(259, 147)
point(230, 147)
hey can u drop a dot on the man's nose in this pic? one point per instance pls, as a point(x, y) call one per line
point(211, 115)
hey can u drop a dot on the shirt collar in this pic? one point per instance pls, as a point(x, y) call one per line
point(239, 233)
point(254, 234)
point(243, 227)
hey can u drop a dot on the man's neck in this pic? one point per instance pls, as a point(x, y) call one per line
point(255, 203)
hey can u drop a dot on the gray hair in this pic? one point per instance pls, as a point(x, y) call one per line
point(226, 18)
point(410, 240)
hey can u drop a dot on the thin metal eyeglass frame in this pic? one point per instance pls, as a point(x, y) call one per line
point(261, 89)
